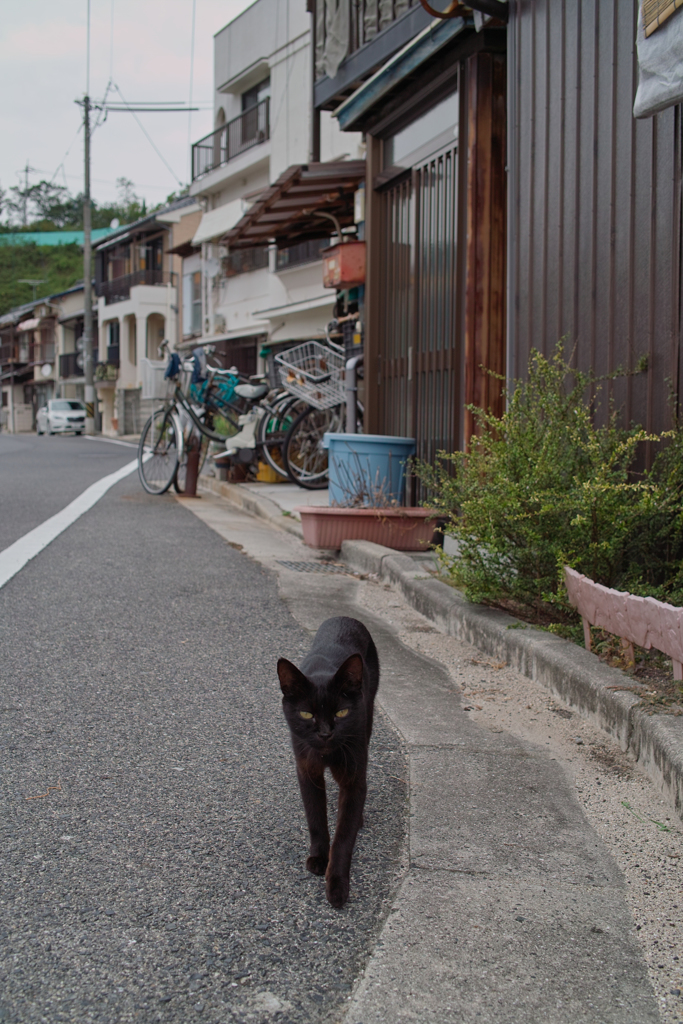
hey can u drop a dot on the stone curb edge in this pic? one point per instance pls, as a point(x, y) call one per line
point(256, 505)
point(573, 674)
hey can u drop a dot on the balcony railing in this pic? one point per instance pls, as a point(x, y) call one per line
point(118, 289)
point(302, 252)
point(9, 352)
point(106, 372)
point(71, 364)
point(241, 261)
point(249, 129)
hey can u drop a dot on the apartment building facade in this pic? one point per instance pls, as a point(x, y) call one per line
point(41, 356)
point(253, 296)
point(139, 305)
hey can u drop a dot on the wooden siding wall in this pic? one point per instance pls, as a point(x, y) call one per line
point(594, 203)
point(486, 187)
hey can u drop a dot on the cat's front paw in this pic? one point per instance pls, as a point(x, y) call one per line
point(317, 865)
point(337, 890)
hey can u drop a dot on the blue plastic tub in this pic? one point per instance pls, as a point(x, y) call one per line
point(367, 469)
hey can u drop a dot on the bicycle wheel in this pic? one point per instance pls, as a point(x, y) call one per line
point(273, 429)
point(159, 451)
point(304, 456)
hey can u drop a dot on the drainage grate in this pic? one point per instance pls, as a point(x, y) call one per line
point(325, 567)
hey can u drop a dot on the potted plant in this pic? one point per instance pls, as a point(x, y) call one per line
point(367, 485)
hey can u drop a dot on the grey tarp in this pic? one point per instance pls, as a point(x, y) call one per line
point(660, 66)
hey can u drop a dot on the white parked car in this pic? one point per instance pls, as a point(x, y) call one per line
point(60, 415)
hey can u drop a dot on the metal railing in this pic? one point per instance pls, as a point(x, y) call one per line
point(118, 289)
point(9, 351)
point(241, 261)
point(302, 252)
point(225, 143)
point(71, 364)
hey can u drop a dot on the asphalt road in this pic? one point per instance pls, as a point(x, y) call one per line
point(40, 475)
point(152, 841)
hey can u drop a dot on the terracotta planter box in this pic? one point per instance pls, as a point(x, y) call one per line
point(405, 529)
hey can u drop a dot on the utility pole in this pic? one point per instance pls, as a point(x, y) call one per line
point(88, 369)
point(26, 170)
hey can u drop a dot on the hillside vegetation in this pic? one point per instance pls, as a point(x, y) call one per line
point(60, 266)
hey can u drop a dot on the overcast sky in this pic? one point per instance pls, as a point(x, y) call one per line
point(43, 70)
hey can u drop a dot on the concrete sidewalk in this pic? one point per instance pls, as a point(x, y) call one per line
point(602, 694)
point(510, 908)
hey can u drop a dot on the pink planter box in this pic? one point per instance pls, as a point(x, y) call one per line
point(637, 620)
point(405, 529)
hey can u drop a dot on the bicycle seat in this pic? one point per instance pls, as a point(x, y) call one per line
point(251, 391)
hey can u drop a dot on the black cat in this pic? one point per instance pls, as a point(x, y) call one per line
point(328, 704)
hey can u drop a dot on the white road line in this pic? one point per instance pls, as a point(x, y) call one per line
point(110, 440)
point(15, 557)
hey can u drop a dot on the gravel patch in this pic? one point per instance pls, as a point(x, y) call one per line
point(636, 824)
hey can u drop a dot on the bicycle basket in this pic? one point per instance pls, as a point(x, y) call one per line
point(314, 372)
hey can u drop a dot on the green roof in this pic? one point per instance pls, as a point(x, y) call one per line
point(53, 237)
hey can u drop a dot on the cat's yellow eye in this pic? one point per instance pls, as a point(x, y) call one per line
point(343, 713)
point(306, 714)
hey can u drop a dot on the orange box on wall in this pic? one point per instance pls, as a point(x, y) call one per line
point(344, 265)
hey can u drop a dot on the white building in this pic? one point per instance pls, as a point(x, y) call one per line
point(139, 305)
point(244, 297)
point(33, 366)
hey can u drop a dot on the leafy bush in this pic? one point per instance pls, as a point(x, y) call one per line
point(543, 487)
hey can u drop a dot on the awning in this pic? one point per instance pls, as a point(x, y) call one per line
point(286, 212)
point(29, 325)
point(216, 222)
point(76, 314)
point(298, 307)
point(184, 249)
point(354, 111)
point(250, 331)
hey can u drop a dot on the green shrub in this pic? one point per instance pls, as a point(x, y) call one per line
point(543, 487)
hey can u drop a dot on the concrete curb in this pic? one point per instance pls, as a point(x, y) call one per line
point(259, 506)
point(574, 675)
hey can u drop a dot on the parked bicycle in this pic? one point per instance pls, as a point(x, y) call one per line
point(315, 373)
point(264, 428)
point(202, 407)
point(211, 404)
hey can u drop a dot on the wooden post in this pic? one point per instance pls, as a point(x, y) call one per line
point(374, 270)
point(192, 467)
point(586, 633)
point(486, 235)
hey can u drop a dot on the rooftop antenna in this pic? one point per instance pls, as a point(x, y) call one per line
point(34, 282)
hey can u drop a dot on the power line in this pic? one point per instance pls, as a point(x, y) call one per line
point(189, 116)
point(111, 42)
point(149, 138)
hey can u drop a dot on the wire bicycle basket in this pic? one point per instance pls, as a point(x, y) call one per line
point(314, 372)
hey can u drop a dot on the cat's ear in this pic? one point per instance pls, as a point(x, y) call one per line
point(350, 676)
point(293, 682)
